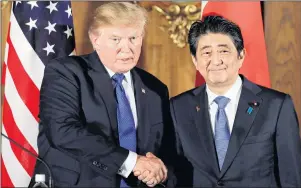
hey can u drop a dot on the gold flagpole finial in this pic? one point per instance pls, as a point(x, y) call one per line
point(4, 4)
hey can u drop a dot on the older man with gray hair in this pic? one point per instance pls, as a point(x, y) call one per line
point(103, 120)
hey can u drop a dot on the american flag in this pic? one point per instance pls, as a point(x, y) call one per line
point(38, 32)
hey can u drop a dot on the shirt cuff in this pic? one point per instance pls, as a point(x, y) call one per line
point(128, 165)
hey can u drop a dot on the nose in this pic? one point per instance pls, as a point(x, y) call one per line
point(215, 59)
point(125, 46)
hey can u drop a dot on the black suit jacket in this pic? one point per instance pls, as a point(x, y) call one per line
point(78, 135)
point(264, 148)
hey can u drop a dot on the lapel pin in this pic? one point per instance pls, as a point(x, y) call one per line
point(254, 104)
point(250, 110)
point(143, 90)
point(197, 108)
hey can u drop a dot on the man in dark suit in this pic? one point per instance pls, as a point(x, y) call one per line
point(103, 121)
point(232, 132)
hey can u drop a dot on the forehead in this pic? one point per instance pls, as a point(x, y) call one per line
point(215, 40)
point(121, 31)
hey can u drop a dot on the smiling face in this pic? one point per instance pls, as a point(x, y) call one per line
point(118, 47)
point(217, 59)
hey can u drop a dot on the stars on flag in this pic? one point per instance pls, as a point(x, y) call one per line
point(47, 26)
point(50, 27)
point(32, 4)
point(52, 7)
point(49, 48)
point(17, 2)
point(68, 32)
point(68, 11)
point(40, 31)
point(32, 23)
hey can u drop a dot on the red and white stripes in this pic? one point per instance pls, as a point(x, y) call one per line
point(23, 76)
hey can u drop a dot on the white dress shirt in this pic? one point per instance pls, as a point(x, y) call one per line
point(233, 94)
point(129, 164)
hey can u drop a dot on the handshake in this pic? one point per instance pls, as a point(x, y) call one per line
point(150, 169)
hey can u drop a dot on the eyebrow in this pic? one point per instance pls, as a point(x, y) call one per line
point(115, 36)
point(220, 45)
point(223, 45)
point(204, 47)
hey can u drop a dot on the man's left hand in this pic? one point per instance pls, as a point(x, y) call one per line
point(144, 176)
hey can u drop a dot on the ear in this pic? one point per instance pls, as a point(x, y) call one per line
point(242, 56)
point(94, 38)
point(194, 60)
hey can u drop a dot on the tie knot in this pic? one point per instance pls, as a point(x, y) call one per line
point(221, 101)
point(118, 78)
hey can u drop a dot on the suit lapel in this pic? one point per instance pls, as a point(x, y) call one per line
point(243, 121)
point(203, 125)
point(141, 93)
point(103, 85)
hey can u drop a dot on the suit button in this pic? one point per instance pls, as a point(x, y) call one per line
point(104, 167)
point(220, 183)
point(95, 163)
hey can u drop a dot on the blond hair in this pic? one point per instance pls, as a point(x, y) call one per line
point(117, 13)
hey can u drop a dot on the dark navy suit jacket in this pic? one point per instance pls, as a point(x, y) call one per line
point(78, 135)
point(264, 148)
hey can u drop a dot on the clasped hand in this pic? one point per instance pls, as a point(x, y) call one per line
point(150, 169)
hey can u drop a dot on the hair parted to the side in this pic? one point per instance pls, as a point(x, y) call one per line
point(117, 14)
point(214, 24)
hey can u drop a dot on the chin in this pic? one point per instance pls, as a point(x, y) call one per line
point(126, 68)
point(218, 80)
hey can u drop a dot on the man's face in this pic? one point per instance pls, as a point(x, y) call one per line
point(217, 59)
point(119, 48)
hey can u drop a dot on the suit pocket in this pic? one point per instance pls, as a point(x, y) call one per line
point(63, 176)
point(100, 181)
point(64, 168)
point(258, 138)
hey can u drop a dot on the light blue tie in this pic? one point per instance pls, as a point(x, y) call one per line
point(222, 133)
point(125, 119)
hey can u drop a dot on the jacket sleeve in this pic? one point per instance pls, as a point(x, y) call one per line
point(60, 114)
point(288, 145)
point(178, 144)
point(167, 150)
point(183, 169)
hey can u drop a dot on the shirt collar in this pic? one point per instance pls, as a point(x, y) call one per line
point(232, 93)
point(127, 75)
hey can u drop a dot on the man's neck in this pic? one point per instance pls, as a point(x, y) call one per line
point(221, 89)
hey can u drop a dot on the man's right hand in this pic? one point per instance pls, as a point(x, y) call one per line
point(150, 169)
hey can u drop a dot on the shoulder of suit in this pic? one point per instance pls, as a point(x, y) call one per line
point(148, 77)
point(271, 93)
point(262, 91)
point(188, 94)
point(73, 63)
